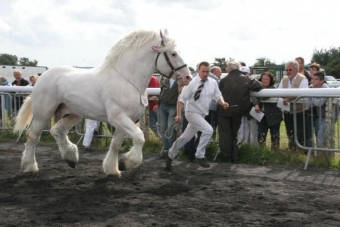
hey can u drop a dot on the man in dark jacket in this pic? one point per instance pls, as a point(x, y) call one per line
point(235, 88)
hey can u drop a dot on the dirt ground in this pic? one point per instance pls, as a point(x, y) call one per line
point(223, 195)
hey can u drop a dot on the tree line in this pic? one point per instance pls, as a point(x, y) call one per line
point(328, 60)
point(8, 59)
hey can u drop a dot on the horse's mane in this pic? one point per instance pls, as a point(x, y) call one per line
point(132, 42)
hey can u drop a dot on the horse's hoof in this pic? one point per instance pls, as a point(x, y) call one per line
point(121, 165)
point(71, 164)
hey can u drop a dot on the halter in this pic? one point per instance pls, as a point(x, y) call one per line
point(168, 61)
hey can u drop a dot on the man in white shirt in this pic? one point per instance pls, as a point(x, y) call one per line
point(197, 96)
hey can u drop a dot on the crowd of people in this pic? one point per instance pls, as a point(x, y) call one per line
point(12, 104)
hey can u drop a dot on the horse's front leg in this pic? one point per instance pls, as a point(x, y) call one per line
point(110, 163)
point(134, 157)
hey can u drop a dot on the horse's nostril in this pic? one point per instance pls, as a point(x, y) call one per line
point(188, 78)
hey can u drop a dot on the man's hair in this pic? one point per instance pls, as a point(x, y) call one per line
point(294, 63)
point(301, 59)
point(242, 63)
point(213, 69)
point(320, 75)
point(315, 65)
point(17, 71)
point(204, 63)
point(232, 64)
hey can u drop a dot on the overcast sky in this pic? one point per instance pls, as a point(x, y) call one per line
point(80, 33)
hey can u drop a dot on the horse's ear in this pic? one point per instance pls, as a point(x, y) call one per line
point(166, 32)
point(158, 48)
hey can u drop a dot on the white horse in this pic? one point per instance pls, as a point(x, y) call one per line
point(113, 92)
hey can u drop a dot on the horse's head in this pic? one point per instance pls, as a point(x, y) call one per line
point(171, 64)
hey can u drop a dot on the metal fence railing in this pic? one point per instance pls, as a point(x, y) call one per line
point(11, 103)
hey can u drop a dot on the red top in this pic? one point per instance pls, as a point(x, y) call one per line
point(154, 83)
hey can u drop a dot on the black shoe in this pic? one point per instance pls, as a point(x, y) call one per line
point(202, 162)
point(168, 160)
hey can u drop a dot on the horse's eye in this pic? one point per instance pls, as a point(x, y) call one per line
point(174, 54)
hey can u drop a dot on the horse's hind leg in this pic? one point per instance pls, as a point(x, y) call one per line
point(28, 161)
point(110, 163)
point(68, 150)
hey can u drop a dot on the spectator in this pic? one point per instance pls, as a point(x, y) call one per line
point(7, 98)
point(295, 80)
point(302, 70)
point(91, 127)
point(318, 107)
point(19, 81)
point(167, 112)
point(235, 90)
point(247, 132)
point(153, 99)
point(215, 73)
point(272, 115)
point(33, 79)
point(197, 96)
point(313, 68)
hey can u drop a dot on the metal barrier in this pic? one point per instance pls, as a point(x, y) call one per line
point(331, 139)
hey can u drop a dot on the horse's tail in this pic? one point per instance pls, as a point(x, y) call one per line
point(25, 115)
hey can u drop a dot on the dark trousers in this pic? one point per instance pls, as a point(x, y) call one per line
point(212, 119)
point(227, 129)
point(304, 133)
point(274, 133)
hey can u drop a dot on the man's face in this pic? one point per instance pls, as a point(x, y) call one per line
point(291, 71)
point(317, 83)
point(17, 76)
point(218, 72)
point(203, 72)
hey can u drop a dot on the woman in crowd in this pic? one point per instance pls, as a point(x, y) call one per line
point(272, 115)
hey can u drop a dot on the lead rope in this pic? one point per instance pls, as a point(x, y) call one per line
point(171, 130)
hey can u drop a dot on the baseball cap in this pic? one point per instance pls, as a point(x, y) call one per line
point(245, 69)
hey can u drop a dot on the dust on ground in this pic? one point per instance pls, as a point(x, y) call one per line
point(223, 195)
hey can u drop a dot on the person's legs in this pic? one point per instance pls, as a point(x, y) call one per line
point(228, 128)
point(289, 123)
point(91, 125)
point(320, 132)
point(275, 136)
point(262, 131)
point(205, 128)
point(188, 133)
point(253, 125)
point(189, 147)
point(153, 123)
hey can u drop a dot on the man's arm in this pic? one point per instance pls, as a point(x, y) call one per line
point(179, 108)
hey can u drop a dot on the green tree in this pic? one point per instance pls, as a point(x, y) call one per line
point(8, 59)
point(27, 62)
point(328, 60)
point(220, 62)
point(264, 62)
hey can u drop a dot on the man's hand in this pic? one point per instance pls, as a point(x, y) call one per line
point(178, 119)
point(225, 105)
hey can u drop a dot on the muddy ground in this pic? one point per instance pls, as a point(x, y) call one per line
point(223, 195)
